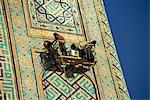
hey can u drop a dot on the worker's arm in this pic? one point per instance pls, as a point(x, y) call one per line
point(41, 50)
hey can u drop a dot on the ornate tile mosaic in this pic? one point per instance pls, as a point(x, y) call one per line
point(29, 23)
point(61, 16)
point(7, 78)
point(56, 15)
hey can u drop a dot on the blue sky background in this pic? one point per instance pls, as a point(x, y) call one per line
point(129, 23)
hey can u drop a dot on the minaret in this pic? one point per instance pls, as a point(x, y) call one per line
point(115, 67)
point(26, 24)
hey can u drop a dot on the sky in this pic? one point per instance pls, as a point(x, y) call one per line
point(129, 23)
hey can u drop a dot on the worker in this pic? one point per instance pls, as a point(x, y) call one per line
point(85, 51)
point(61, 41)
point(49, 58)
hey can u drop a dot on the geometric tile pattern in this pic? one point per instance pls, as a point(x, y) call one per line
point(56, 12)
point(103, 81)
point(55, 15)
point(112, 54)
point(7, 82)
point(56, 86)
point(78, 83)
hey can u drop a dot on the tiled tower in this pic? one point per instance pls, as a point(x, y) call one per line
point(25, 24)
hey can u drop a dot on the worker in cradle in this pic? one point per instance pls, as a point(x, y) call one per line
point(61, 41)
point(85, 51)
point(49, 57)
